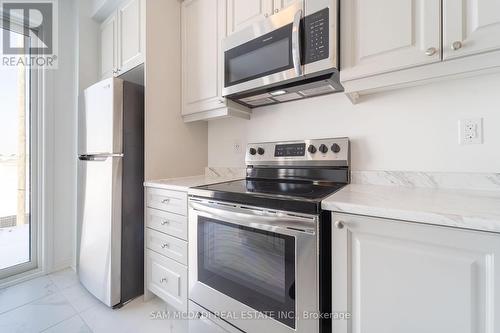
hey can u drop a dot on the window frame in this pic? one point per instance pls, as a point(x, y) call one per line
point(38, 230)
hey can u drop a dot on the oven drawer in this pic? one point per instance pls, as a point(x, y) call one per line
point(168, 223)
point(167, 279)
point(166, 245)
point(166, 200)
point(207, 322)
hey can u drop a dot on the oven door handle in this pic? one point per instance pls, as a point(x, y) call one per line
point(296, 42)
point(281, 223)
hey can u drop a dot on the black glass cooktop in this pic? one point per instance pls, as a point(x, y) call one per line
point(294, 196)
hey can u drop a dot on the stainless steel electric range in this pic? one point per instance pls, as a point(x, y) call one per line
point(259, 251)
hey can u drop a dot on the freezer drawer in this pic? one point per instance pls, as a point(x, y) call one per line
point(100, 196)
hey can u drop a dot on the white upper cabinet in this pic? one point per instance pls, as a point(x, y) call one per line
point(202, 33)
point(203, 28)
point(123, 39)
point(396, 276)
point(132, 34)
point(281, 4)
point(109, 59)
point(242, 13)
point(387, 35)
point(399, 43)
point(470, 26)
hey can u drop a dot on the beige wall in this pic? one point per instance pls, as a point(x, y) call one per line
point(173, 149)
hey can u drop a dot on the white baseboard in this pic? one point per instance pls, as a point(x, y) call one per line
point(19, 278)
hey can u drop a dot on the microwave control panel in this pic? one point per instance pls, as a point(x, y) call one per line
point(316, 36)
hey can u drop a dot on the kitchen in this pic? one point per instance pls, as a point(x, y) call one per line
point(277, 166)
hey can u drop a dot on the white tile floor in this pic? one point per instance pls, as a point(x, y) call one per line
point(58, 303)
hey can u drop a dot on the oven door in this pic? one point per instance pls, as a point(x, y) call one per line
point(265, 53)
point(257, 269)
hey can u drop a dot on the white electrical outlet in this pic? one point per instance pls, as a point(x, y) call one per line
point(237, 147)
point(470, 131)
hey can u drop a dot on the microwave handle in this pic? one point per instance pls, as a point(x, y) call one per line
point(296, 42)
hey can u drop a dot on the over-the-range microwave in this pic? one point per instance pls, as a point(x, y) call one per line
point(288, 56)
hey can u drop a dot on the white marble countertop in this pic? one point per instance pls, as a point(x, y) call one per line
point(478, 210)
point(184, 183)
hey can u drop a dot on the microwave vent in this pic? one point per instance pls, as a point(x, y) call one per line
point(260, 102)
point(318, 90)
point(287, 97)
point(251, 99)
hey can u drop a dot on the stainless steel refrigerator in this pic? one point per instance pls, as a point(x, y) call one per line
point(110, 191)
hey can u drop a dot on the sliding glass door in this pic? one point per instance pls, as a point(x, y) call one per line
point(17, 223)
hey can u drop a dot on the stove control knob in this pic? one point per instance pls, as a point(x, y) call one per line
point(260, 151)
point(252, 151)
point(335, 148)
point(311, 149)
point(323, 149)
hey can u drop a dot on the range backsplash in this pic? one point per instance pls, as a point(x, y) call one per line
point(441, 180)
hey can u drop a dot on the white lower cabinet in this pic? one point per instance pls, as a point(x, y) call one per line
point(170, 201)
point(167, 279)
point(166, 222)
point(396, 276)
point(166, 247)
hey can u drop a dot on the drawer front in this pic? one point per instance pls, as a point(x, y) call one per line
point(167, 279)
point(168, 223)
point(166, 200)
point(166, 245)
point(207, 322)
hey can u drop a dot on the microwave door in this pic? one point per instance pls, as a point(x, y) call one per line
point(267, 53)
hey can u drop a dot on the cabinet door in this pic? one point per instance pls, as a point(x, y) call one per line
point(396, 276)
point(242, 13)
point(470, 26)
point(132, 40)
point(203, 27)
point(281, 4)
point(108, 47)
point(167, 279)
point(387, 35)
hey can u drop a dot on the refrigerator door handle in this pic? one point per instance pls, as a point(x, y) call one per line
point(97, 157)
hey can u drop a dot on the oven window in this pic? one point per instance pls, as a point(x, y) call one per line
point(254, 267)
point(268, 54)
